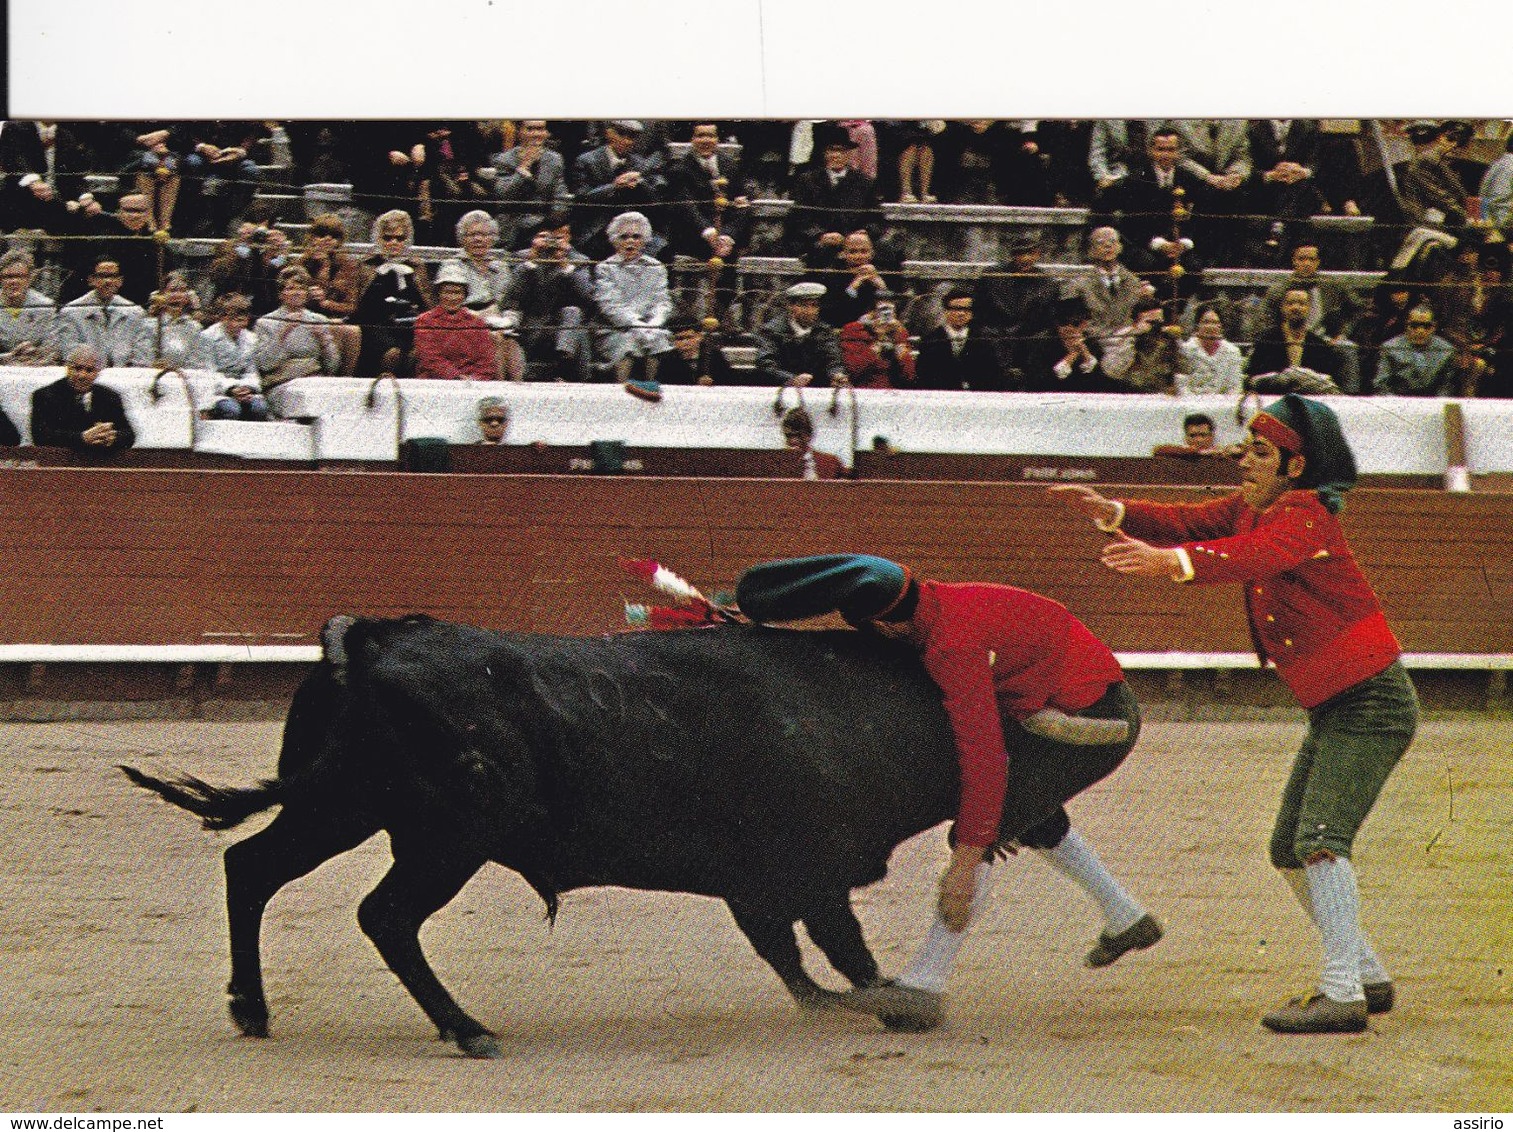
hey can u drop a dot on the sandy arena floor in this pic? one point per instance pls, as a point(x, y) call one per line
point(114, 950)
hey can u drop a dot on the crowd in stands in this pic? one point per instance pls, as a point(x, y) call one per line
point(570, 239)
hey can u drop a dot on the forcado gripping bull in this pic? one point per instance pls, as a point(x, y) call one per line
point(774, 769)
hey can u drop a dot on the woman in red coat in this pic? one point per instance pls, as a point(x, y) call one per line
point(875, 349)
point(1315, 617)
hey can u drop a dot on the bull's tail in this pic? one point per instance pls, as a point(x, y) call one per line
point(218, 807)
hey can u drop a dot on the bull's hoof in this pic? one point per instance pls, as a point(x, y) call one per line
point(250, 1016)
point(906, 1010)
point(818, 998)
point(482, 1046)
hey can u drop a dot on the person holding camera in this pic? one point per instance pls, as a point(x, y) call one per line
point(551, 296)
point(875, 348)
point(250, 262)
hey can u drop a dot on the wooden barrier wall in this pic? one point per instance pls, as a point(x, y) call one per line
point(153, 557)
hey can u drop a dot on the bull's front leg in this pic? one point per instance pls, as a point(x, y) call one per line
point(392, 915)
point(834, 928)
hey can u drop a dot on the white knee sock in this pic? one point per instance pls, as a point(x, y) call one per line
point(1337, 912)
point(1075, 858)
point(1372, 968)
point(937, 955)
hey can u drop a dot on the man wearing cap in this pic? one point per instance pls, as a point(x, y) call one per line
point(1039, 711)
point(796, 348)
point(610, 180)
point(451, 342)
point(1017, 304)
point(1314, 616)
point(831, 200)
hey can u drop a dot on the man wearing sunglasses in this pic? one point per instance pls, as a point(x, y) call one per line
point(1418, 362)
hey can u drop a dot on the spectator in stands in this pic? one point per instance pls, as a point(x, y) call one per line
point(1384, 318)
point(851, 278)
point(46, 150)
point(552, 294)
point(694, 359)
point(154, 170)
point(798, 435)
point(101, 318)
point(231, 351)
point(915, 143)
point(220, 175)
point(1023, 176)
point(493, 420)
point(448, 187)
point(251, 262)
point(631, 292)
point(1142, 356)
point(612, 180)
point(875, 348)
point(1198, 441)
point(973, 164)
point(530, 182)
point(1283, 191)
point(397, 290)
point(293, 341)
point(1474, 309)
point(1430, 193)
point(451, 342)
point(796, 348)
point(387, 162)
point(1148, 198)
point(711, 211)
point(1064, 145)
point(1288, 343)
point(1496, 192)
point(1418, 362)
point(1208, 363)
point(1071, 361)
point(831, 200)
point(488, 277)
point(175, 331)
point(336, 281)
point(28, 318)
point(74, 412)
point(952, 356)
point(1332, 311)
point(1217, 152)
point(1116, 146)
point(1017, 305)
point(126, 236)
point(1109, 293)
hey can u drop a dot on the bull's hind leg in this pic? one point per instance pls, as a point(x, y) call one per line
point(292, 845)
point(773, 938)
point(392, 914)
point(836, 932)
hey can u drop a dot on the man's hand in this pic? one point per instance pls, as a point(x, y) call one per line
point(102, 434)
point(958, 886)
point(1086, 500)
point(1131, 556)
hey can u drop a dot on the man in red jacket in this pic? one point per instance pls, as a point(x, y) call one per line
point(1315, 617)
point(1039, 711)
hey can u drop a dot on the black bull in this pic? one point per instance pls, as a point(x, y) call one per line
point(774, 769)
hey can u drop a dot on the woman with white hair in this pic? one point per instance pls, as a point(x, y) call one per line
point(488, 277)
point(397, 291)
point(634, 302)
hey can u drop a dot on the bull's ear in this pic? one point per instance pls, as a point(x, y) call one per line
point(333, 644)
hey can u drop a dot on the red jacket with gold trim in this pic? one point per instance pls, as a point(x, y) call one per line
point(1312, 613)
point(988, 645)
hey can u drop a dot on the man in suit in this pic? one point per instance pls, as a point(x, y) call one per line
point(1217, 152)
point(613, 179)
point(711, 212)
point(1111, 289)
point(951, 356)
point(831, 200)
point(530, 182)
point(1148, 197)
point(1017, 304)
point(74, 412)
point(1284, 153)
point(1289, 342)
point(796, 348)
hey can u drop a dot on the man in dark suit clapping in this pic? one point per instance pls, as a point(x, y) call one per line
point(74, 412)
point(952, 357)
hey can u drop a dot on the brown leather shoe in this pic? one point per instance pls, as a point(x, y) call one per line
point(1379, 997)
point(1317, 1013)
point(1143, 933)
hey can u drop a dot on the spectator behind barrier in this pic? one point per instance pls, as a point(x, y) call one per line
point(336, 281)
point(114, 327)
point(493, 420)
point(28, 318)
point(293, 341)
point(396, 291)
point(176, 332)
point(73, 412)
point(1208, 364)
point(451, 342)
point(551, 294)
point(231, 350)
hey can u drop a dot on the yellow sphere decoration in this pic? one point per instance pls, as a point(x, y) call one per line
point(721, 202)
point(716, 261)
point(162, 236)
point(1176, 271)
point(710, 323)
point(1179, 193)
point(163, 171)
point(719, 182)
